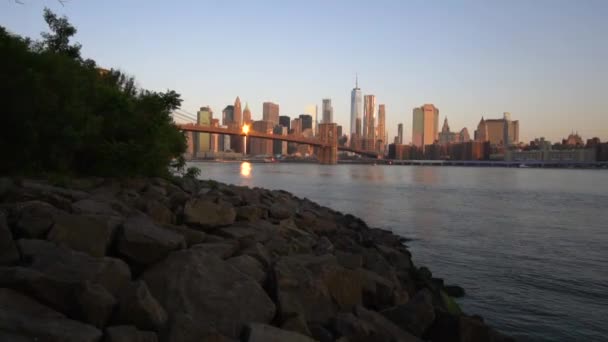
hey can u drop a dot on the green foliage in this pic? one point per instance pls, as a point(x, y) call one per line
point(450, 304)
point(193, 172)
point(63, 115)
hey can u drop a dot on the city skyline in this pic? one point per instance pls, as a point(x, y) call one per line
point(545, 69)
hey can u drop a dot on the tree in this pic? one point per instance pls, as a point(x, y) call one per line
point(59, 40)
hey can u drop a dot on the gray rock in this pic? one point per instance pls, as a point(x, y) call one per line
point(8, 250)
point(128, 333)
point(384, 327)
point(223, 250)
point(158, 211)
point(347, 324)
point(41, 189)
point(348, 260)
point(378, 292)
point(280, 211)
point(250, 213)
point(24, 319)
point(138, 307)
point(258, 252)
point(191, 236)
point(88, 234)
point(297, 324)
point(399, 259)
point(323, 246)
point(256, 332)
point(249, 266)
point(143, 242)
point(320, 333)
point(63, 263)
point(96, 304)
point(93, 207)
point(35, 219)
point(209, 214)
point(416, 316)
point(205, 289)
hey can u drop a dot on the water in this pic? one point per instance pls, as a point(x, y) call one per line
point(530, 246)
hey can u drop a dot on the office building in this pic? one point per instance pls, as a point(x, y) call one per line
point(328, 111)
point(296, 127)
point(238, 114)
point(306, 122)
point(247, 115)
point(279, 147)
point(399, 134)
point(356, 113)
point(261, 146)
point(339, 130)
point(228, 115)
point(270, 112)
point(285, 121)
point(425, 125)
point(203, 118)
point(446, 136)
point(497, 131)
point(369, 121)
point(381, 129)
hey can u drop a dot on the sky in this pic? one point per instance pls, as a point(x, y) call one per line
point(544, 61)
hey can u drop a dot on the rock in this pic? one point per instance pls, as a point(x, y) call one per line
point(44, 190)
point(474, 330)
point(24, 319)
point(399, 259)
point(209, 214)
point(191, 236)
point(454, 291)
point(320, 333)
point(223, 250)
point(323, 246)
point(6, 187)
point(139, 308)
point(347, 324)
point(201, 287)
point(143, 242)
point(129, 333)
point(348, 260)
point(35, 219)
point(384, 327)
point(378, 292)
point(416, 316)
point(375, 262)
point(63, 263)
point(248, 234)
point(249, 266)
point(8, 250)
point(91, 235)
point(256, 332)
point(158, 212)
point(258, 252)
point(93, 207)
point(297, 324)
point(96, 304)
point(250, 213)
point(280, 211)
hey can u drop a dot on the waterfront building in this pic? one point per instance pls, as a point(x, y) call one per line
point(279, 147)
point(381, 138)
point(247, 115)
point(399, 139)
point(425, 125)
point(328, 111)
point(573, 140)
point(399, 152)
point(306, 122)
point(356, 111)
point(261, 146)
point(548, 155)
point(446, 136)
point(203, 118)
point(270, 112)
point(285, 121)
point(464, 136)
point(498, 131)
point(238, 114)
point(369, 122)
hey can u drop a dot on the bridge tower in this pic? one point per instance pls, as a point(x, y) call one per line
point(328, 134)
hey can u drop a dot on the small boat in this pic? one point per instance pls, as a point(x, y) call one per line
point(523, 166)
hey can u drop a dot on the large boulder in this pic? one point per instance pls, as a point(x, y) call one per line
point(209, 214)
point(257, 332)
point(384, 329)
point(191, 236)
point(416, 316)
point(138, 307)
point(128, 333)
point(91, 206)
point(88, 234)
point(249, 266)
point(315, 287)
point(143, 242)
point(251, 213)
point(224, 249)
point(8, 250)
point(378, 292)
point(34, 219)
point(194, 286)
point(24, 319)
point(96, 304)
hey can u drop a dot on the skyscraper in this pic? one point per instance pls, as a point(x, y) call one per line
point(238, 114)
point(270, 112)
point(400, 134)
point(228, 115)
point(356, 110)
point(381, 129)
point(328, 111)
point(425, 125)
point(247, 115)
point(306, 121)
point(498, 131)
point(369, 121)
point(284, 121)
point(203, 118)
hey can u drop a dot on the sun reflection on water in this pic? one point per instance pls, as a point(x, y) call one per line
point(246, 169)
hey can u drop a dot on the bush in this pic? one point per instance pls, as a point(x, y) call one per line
point(64, 115)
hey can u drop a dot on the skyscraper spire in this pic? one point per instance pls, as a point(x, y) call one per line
point(356, 81)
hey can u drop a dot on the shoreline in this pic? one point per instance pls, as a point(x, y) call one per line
point(112, 258)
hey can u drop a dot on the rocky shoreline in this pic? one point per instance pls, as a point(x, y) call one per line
point(185, 260)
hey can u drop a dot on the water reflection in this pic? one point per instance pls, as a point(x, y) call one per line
point(246, 169)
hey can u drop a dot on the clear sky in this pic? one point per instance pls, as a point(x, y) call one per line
point(544, 61)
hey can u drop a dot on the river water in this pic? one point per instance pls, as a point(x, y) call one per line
point(530, 246)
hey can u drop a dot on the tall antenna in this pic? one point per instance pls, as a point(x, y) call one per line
point(356, 81)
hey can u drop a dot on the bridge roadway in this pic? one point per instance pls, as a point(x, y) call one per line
point(289, 138)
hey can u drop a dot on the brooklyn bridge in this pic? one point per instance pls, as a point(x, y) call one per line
point(326, 141)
